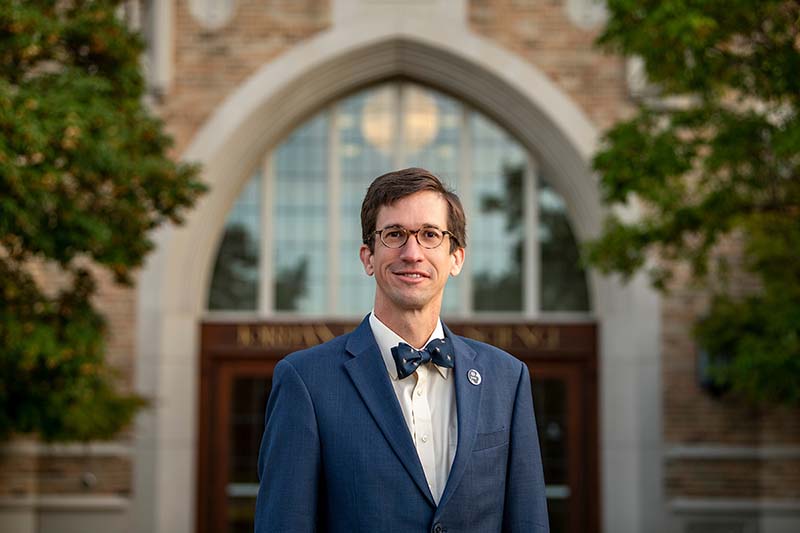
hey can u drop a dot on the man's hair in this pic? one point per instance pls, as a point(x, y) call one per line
point(387, 189)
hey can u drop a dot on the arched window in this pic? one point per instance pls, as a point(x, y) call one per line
point(291, 241)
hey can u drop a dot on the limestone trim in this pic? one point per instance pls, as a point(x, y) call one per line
point(92, 449)
point(161, 49)
point(734, 505)
point(724, 452)
point(67, 503)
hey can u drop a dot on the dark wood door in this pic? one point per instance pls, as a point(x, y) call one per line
point(236, 383)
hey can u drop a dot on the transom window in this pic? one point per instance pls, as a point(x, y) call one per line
point(291, 241)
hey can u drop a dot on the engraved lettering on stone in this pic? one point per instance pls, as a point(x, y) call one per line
point(553, 338)
point(530, 337)
point(324, 333)
point(502, 337)
point(243, 337)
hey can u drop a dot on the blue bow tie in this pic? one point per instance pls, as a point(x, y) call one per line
point(408, 359)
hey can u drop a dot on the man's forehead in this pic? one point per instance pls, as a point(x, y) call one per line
point(424, 208)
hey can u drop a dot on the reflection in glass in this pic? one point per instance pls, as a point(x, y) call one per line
point(300, 219)
point(420, 112)
point(234, 283)
point(249, 396)
point(563, 280)
point(550, 405)
point(375, 111)
point(498, 232)
point(363, 159)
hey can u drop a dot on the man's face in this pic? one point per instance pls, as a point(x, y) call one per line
point(411, 278)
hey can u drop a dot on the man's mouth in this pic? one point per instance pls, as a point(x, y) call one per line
point(411, 275)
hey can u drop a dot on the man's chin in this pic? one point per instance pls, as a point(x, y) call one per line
point(412, 303)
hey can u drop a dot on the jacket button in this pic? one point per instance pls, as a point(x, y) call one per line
point(437, 528)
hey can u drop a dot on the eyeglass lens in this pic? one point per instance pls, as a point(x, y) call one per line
point(426, 237)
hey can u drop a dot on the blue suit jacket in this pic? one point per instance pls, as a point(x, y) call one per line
point(337, 455)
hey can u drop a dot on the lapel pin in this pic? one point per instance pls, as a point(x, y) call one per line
point(474, 376)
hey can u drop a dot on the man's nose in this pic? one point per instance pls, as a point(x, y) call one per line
point(411, 250)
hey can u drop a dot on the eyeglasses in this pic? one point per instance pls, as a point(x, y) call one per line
point(427, 236)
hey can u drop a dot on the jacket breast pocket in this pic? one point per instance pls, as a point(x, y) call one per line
point(492, 439)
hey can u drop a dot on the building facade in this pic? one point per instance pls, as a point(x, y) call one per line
point(292, 107)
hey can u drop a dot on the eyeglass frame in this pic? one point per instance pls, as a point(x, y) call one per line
point(407, 232)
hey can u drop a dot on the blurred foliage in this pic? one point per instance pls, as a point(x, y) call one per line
point(714, 157)
point(84, 176)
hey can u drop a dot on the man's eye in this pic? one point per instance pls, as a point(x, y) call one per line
point(431, 233)
point(394, 234)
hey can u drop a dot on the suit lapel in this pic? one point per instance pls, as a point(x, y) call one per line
point(369, 375)
point(468, 400)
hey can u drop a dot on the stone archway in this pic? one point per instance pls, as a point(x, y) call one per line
point(173, 286)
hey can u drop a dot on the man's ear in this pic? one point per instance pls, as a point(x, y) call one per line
point(366, 259)
point(457, 261)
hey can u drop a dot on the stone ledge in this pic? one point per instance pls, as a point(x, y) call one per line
point(723, 451)
point(731, 505)
point(67, 503)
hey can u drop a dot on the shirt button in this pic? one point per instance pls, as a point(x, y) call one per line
point(419, 392)
point(424, 438)
point(437, 528)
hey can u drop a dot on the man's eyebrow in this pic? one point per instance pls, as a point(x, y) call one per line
point(388, 226)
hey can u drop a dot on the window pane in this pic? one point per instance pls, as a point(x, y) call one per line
point(300, 219)
point(563, 280)
point(375, 131)
point(497, 220)
point(234, 284)
point(246, 425)
point(367, 133)
point(552, 423)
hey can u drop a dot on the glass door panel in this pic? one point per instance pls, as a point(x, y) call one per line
point(245, 426)
point(550, 401)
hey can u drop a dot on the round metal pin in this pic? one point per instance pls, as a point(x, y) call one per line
point(474, 376)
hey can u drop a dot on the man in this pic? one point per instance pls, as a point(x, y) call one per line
point(401, 426)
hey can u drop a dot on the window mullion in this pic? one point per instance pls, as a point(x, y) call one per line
point(399, 142)
point(465, 193)
point(532, 258)
point(266, 293)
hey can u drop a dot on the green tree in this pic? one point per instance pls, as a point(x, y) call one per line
point(84, 177)
point(715, 157)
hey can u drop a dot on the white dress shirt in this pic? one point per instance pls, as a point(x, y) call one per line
point(428, 401)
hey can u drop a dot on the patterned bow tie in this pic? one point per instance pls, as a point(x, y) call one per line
point(408, 359)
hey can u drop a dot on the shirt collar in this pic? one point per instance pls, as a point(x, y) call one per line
point(388, 339)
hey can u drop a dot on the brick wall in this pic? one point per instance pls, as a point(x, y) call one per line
point(692, 417)
point(37, 471)
point(210, 65)
point(542, 33)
